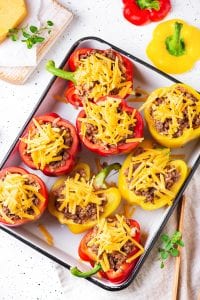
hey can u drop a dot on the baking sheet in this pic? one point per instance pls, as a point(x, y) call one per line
point(64, 250)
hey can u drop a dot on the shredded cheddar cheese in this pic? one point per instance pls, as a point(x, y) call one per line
point(110, 237)
point(78, 192)
point(150, 172)
point(113, 126)
point(17, 196)
point(45, 144)
point(48, 237)
point(177, 105)
point(100, 75)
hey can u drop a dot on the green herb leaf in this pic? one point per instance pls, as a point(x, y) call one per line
point(181, 243)
point(164, 238)
point(33, 29)
point(164, 255)
point(162, 265)
point(170, 246)
point(26, 35)
point(50, 23)
point(32, 34)
point(29, 44)
point(13, 34)
point(38, 39)
point(174, 252)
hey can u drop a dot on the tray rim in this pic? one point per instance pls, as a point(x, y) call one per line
point(171, 209)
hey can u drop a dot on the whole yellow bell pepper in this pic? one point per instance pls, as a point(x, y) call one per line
point(82, 170)
point(176, 107)
point(143, 178)
point(175, 46)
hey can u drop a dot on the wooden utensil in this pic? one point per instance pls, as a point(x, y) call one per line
point(178, 258)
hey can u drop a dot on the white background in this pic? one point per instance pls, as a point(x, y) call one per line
point(24, 273)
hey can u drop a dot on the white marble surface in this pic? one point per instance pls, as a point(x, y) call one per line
point(24, 273)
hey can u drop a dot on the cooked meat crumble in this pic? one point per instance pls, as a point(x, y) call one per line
point(82, 213)
point(171, 176)
point(67, 138)
point(116, 258)
point(92, 133)
point(83, 90)
point(182, 116)
point(29, 210)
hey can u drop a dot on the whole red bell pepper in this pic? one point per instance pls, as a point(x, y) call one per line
point(51, 169)
point(140, 12)
point(33, 179)
point(72, 92)
point(122, 147)
point(113, 275)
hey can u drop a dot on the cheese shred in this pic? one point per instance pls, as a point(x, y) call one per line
point(178, 108)
point(100, 75)
point(148, 170)
point(46, 144)
point(113, 126)
point(78, 192)
point(111, 237)
point(17, 197)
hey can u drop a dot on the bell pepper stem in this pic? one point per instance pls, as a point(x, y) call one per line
point(76, 272)
point(149, 4)
point(175, 44)
point(101, 176)
point(50, 67)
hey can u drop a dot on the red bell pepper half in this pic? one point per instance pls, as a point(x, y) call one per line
point(72, 92)
point(121, 148)
point(140, 12)
point(113, 275)
point(68, 159)
point(42, 190)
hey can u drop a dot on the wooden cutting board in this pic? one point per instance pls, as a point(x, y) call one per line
point(61, 17)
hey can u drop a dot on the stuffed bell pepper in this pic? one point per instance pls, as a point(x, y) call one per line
point(110, 126)
point(23, 196)
point(80, 201)
point(150, 178)
point(112, 247)
point(173, 115)
point(94, 74)
point(49, 144)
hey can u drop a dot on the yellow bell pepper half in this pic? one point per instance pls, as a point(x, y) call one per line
point(146, 172)
point(178, 102)
point(111, 194)
point(175, 46)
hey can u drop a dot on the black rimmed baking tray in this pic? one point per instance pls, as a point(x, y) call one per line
point(64, 249)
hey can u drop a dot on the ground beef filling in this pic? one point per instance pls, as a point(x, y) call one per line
point(82, 214)
point(171, 176)
point(183, 123)
point(68, 140)
point(92, 131)
point(29, 211)
point(116, 258)
point(82, 91)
